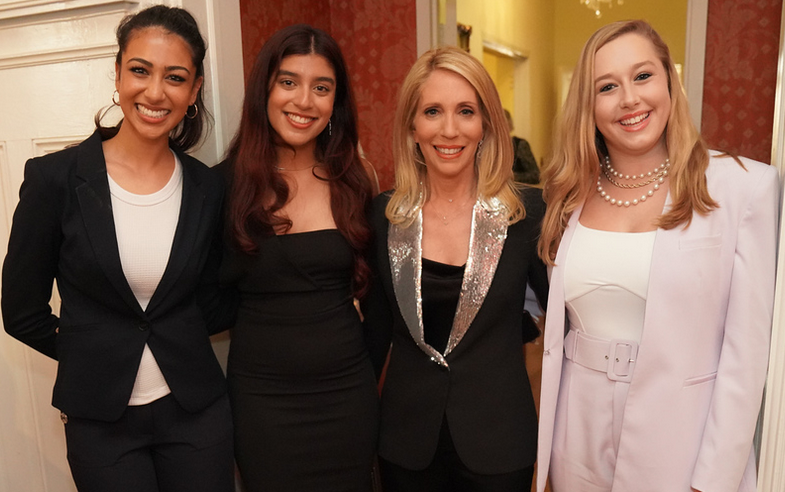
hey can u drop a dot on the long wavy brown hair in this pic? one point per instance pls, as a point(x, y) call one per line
point(573, 167)
point(253, 154)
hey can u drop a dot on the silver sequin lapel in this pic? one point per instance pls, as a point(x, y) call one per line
point(404, 245)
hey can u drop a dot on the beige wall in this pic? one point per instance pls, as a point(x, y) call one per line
point(551, 33)
point(525, 26)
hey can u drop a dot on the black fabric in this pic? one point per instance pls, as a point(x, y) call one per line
point(158, 447)
point(304, 396)
point(485, 393)
point(441, 288)
point(63, 229)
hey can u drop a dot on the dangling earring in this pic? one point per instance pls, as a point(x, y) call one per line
point(117, 102)
point(479, 148)
point(196, 111)
point(330, 127)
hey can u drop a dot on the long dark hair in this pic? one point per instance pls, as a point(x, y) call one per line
point(177, 21)
point(254, 156)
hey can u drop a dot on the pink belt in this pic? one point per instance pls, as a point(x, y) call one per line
point(615, 357)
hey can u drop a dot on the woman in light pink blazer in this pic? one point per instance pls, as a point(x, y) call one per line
point(662, 282)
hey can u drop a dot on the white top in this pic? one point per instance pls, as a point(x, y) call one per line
point(606, 281)
point(145, 226)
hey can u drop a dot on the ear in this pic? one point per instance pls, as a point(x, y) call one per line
point(116, 74)
point(414, 136)
point(197, 85)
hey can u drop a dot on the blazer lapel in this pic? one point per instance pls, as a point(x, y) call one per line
point(489, 231)
point(95, 203)
point(185, 236)
point(404, 246)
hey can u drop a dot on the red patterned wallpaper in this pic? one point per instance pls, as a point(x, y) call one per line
point(740, 76)
point(378, 40)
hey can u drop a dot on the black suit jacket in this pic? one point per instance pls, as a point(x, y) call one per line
point(63, 229)
point(485, 393)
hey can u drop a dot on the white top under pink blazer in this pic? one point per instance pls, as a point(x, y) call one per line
point(695, 394)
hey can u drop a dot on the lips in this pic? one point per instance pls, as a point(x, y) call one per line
point(635, 119)
point(449, 151)
point(299, 120)
point(157, 114)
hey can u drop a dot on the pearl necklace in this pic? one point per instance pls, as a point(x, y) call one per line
point(657, 176)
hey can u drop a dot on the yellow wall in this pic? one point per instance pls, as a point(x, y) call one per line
point(551, 33)
point(525, 26)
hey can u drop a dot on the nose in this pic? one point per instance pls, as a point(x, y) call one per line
point(449, 126)
point(155, 89)
point(629, 97)
point(303, 98)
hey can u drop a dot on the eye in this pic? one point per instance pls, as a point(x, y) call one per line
point(177, 78)
point(643, 76)
point(431, 112)
point(466, 111)
point(286, 83)
point(322, 89)
point(138, 70)
point(606, 87)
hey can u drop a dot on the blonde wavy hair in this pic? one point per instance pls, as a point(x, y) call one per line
point(572, 169)
point(493, 167)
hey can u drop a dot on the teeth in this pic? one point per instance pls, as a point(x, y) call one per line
point(635, 120)
point(452, 151)
point(299, 119)
point(151, 113)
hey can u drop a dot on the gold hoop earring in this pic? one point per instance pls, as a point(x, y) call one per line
point(117, 102)
point(196, 111)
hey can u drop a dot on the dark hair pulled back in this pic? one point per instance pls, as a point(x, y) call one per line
point(177, 21)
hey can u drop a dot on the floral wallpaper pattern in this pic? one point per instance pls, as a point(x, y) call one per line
point(740, 76)
point(378, 40)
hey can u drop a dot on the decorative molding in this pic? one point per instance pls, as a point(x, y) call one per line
point(59, 56)
point(43, 146)
point(504, 50)
point(771, 474)
point(695, 57)
point(30, 8)
point(5, 187)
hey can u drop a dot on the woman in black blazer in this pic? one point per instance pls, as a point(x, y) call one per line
point(454, 251)
point(128, 226)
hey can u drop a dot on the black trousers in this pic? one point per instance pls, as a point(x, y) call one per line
point(447, 473)
point(158, 447)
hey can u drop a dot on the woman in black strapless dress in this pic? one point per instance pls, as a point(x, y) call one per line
point(302, 386)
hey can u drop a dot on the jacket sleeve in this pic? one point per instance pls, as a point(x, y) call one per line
point(31, 263)
point(741, 373)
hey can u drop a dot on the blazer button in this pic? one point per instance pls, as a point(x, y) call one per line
point(547, 352)
point(143, 326)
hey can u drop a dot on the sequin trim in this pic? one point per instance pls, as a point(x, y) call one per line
point(404, 246)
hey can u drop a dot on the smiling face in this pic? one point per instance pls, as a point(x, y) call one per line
point(301, 99)
point(156, 82)
point(632, 102)
point(448, 125)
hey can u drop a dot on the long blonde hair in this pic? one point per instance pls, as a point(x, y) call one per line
point(573, 167)
point(494, 164)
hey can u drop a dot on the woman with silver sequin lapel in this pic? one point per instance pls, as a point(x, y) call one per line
point(454, 251)
point(663, 259)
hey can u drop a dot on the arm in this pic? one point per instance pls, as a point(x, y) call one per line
point(30, 266)
point(741, 373)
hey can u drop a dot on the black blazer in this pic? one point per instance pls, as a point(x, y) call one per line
point(485, 393)
point(63, 229)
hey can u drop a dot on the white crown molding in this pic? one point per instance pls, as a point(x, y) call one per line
point(29, 8)
point(59, 56)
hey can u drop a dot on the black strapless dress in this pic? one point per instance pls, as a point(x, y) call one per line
point(303, 391)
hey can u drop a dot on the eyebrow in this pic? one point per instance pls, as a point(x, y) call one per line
point(148, 64)
point(634, 67)
point(296, 75)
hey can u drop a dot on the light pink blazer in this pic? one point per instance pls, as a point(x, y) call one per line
point(696, 391)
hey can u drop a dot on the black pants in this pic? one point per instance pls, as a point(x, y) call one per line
point(447, 473)
point(158, 447)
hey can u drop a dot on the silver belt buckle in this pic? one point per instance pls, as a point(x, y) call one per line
point(621, 360)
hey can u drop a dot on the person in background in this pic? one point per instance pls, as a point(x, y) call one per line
point(454, 251)
point(663, 257)
point(128, 225)
point(525, 165)
point(303, 391)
